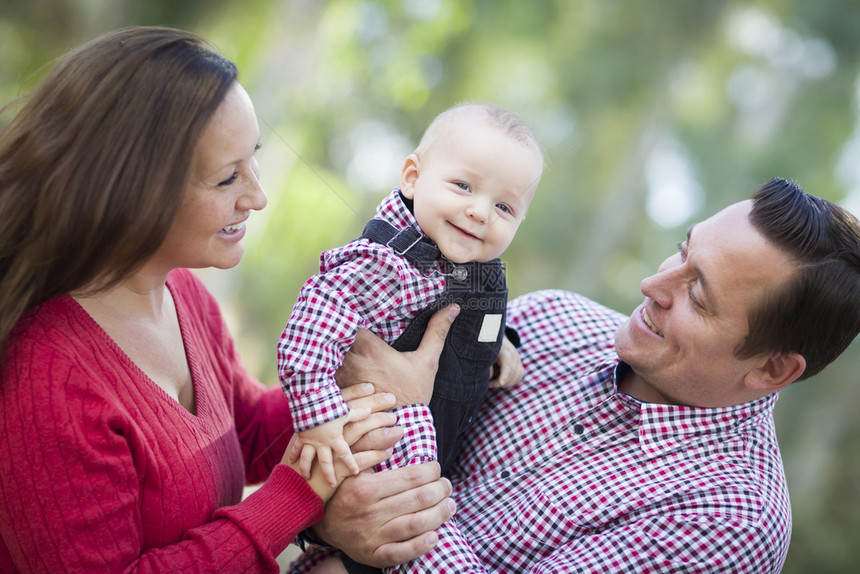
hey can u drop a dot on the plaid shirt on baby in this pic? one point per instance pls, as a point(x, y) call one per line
point(362, 285)
point(563, 473)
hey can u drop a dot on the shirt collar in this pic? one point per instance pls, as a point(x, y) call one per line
point(664, 427)
point(397, 210)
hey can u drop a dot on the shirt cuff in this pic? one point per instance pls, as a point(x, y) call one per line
point(419, 437)
point(311, 409)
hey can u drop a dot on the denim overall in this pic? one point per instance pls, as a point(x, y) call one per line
point(473, 342)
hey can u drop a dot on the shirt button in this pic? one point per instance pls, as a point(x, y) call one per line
point(578, 428)
point(505, 474)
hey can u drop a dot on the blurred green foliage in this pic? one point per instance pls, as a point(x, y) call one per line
point(653, 115)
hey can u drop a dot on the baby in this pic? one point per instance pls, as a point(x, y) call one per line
point(434, 241)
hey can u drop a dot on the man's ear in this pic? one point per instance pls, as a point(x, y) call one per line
point(776, 372)
point(409, 175)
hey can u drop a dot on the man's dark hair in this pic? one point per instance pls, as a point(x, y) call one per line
point(816, 312)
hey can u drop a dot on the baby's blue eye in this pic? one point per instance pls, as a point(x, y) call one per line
point(463, 186)
point(503, 207)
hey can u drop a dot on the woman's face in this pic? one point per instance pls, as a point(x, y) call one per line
point(222, 189)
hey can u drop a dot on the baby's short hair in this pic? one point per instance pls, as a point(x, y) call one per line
point(497, 116)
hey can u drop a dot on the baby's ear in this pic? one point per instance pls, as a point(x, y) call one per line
point(409, 175)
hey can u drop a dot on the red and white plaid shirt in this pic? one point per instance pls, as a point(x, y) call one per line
point(563, 473)
point(362, 285)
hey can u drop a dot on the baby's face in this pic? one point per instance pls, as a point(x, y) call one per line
point(472, 189)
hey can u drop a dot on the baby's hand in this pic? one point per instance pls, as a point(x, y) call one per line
point(323, 440)
point(508, 370)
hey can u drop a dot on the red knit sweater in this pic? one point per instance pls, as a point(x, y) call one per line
point(101, 471)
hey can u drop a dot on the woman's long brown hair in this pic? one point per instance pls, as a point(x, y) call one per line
point(92, 166)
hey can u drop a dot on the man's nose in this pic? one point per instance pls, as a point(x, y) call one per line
point(662, 286)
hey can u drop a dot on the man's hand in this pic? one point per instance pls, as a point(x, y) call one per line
point(409, 375)
point(388, 518)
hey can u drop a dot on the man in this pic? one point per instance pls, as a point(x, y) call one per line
point(647, 444)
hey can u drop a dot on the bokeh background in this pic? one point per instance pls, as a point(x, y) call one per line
point(653, 115)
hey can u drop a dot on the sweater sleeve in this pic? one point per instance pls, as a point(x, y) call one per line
point(262, 415)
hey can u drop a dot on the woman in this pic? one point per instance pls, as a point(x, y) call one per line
point(129, 425)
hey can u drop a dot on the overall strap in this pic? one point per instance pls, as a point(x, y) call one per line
point(409, 242)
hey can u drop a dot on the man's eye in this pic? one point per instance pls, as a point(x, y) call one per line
point(229, 180)
point(682, 249)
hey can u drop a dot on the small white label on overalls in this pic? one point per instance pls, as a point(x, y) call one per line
point(490, 328)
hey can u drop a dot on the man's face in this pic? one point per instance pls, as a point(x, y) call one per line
point(681, 340)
